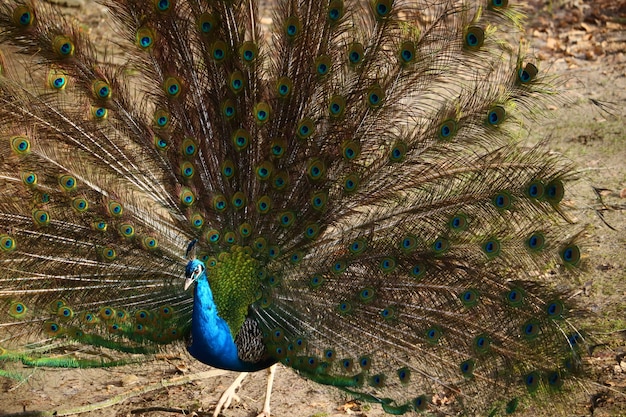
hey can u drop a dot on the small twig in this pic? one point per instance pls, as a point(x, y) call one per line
point(166, 409)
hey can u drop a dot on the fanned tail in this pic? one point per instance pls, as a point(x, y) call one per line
point(362, 168)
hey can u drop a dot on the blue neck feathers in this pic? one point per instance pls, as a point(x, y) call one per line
point(212, 342)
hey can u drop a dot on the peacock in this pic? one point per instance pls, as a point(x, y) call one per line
point(349, 194)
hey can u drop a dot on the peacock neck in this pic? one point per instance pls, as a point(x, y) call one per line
point(212, 342)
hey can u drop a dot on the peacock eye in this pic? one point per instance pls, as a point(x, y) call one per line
point(198, 271)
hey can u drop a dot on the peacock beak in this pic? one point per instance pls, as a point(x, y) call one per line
point(188, 283)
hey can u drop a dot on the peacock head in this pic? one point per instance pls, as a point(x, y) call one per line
point(193, 271)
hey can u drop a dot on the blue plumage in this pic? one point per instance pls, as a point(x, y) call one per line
point(212, 342)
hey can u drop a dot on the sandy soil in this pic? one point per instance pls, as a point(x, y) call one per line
point(584, 42)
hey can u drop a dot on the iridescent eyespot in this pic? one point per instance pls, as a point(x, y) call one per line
point(207, 24)
point(7, 243)
point(316, 281)
point(109, 253)
point(496, 115)
point(351, 183)
point(150, 243)
point(284, 86)
point(418, 271)
point(467, 368)
point(358, 246)
point(491, 248)
point(220, 203)
point(337, 106)
point(536, 241)
point(474, 38)
point(527, 74)
point(387, 265)
point(286, 218)
point(316, 169)
point(241, 139)
point(248, 51)
point(555, 309)
point(515, 297)
point(187, 197)
point(245, 229)
point(17, 309)
point(311, 231)
point(115, 208)
point(322, 65)
point(126, 230)
point(355, 54)
point(236, 82)
point(531, 329)
point(350, 150)
point(160, 143)
point(420, 403)
point(447, 129)
point(264, 204)
point(172, 86)
point(469, 298)
point(63, 46)
point(41, 217)
point(570, 254)
point(497, 4)
point(398, 152)
point(163, 6)
point(144, 38)
point(67, 182)
point(433, 335)
point(292, 27)
point(532, 381)
point(339, 266)
point(161, 119)
point(375, 96)
point(23, 16)
point(238, 200)
point(407, 52)
point(213, 236)
point(57, 80)
point(482, 343)
point(20, 145)
point(535, 190)
point(29, 178)
point(101, 89)
point(99, 113)
point(502, 200)
point(335, 11)
point(382, 8)
point(218, 51)
point(366, 295)
point(305, 128)
point(262, 113)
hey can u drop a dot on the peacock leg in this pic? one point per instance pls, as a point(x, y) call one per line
point(231, 393)
point(271, 373)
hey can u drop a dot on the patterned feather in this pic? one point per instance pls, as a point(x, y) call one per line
point(349, 197)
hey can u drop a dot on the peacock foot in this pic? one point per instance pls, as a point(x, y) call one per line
point(229, 395)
